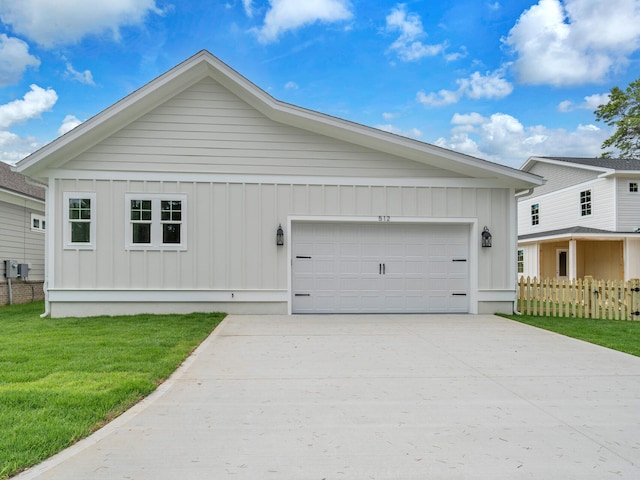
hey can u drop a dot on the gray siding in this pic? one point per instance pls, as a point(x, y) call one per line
point(17, 240)
point(231, 231)
point(206, 129)
point(559, 176)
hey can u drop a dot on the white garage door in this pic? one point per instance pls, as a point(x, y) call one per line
point(376, 268)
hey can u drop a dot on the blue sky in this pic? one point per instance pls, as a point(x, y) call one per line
point(498, 79)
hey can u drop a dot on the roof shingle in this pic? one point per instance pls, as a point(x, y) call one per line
point(16, 182)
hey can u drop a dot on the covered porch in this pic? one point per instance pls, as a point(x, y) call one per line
point(578, 252)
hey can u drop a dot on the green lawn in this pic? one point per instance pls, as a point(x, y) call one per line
point(61, 379)
point(619, 335)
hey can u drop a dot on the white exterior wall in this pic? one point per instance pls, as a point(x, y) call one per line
point(632, 258)
point(231, 239)
point(561, 176)
point(561, 209)
point(628, 206)
point(207, 129)
point(531, 261)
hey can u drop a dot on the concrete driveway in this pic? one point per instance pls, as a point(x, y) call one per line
point(377, 397)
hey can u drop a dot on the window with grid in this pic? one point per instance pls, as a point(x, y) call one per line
point(535, 214)
point(633, 187)
point(79, 216)
point(520, 261)
point(585, 203)
point(156, 221)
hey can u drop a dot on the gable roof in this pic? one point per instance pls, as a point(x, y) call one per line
point(605, 165)
point(17, 183)
point(203, 65)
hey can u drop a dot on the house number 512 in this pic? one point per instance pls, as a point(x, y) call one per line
point(384, 218)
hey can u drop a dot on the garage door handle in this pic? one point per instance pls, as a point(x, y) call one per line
point(303, 294)
point(384, 268)
point(459, 294)
point(380, 268)
point(459, 259)
point(300, 256)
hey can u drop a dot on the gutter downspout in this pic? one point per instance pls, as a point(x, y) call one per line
point(520, 195)
point(45, 285)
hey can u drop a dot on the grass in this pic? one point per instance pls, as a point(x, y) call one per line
point(620, 335)
point(62, 379)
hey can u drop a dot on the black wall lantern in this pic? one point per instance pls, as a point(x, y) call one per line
point(279, 236)
point(486, 237)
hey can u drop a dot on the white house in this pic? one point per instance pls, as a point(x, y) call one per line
point(171, 201)
point(22, 226)
point(584, 221)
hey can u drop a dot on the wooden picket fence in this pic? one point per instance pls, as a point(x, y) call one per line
point(580, 298)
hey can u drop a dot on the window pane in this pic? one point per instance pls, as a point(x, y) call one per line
point(141, 232)
point(36, 223)
point(44, 225)
point(85, 214)
point(170, 233)
point(80, 232)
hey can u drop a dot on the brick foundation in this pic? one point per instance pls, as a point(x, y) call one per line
point(23, 292)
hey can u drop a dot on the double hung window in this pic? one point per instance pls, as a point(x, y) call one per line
point(585, 203)
point(520, 261)
point(535, 214)
point(156, 221)
point(80, 221)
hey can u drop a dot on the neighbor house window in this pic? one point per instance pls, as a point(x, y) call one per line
point(80, 220)
point(535, 214)
point(633, 187)
point(38, 223)
point(520, 261)
point(585, 203)
point(156, 221)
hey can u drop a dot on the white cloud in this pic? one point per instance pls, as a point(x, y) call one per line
point(67, 21)
point(504, 139)
point(291, 86)
point(14, 60)
point(574, 42)
point(248, 7)
point(411, 133)
point(83, 77)
point(69, 123)
point(591, 102)
point(389, 115)
point(409, 46)
point(477, 86)
point(284, 15)
point(32, 105)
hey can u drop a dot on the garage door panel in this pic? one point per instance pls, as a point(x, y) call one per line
point(380, 268)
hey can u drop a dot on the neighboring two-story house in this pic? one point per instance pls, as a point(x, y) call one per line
point(584, 221)
point(22, 227)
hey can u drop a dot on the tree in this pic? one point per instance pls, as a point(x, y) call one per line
point(622, 112)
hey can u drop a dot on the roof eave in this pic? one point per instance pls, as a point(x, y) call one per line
point(204, 64)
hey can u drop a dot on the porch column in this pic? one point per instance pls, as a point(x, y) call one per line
point(573, 261)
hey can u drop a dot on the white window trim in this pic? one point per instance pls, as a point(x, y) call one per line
point(68, 244)
point(156, 226)
point(42, 221)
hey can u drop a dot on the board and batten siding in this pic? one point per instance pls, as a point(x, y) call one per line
point(231, 231)
point(207, 129)
point(17, 241)
point(628, 205)
point(562, 209)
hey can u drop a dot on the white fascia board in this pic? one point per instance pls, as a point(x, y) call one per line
point(580, 236)
point(532, 160)
point(162, 296)
point(463, 182)
point(20, 199)
point(621, 174)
